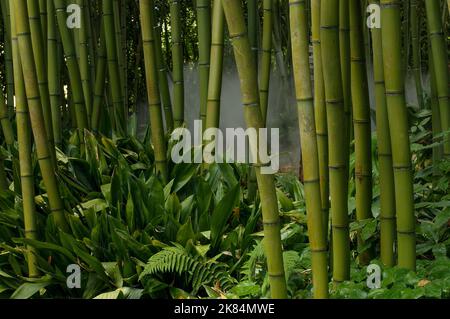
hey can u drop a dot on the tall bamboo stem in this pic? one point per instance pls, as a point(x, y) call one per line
point(204, 48)
point(156, 121)
point(24, 142)
point(337, 139)
point(249, 88)
point(177, 61)
point(361, 122)
point(387, 189)
point(305, 105)
point(399, 129)
point(415, 40)
point(36, 115)
point(320, 112)
point(440, 61)
point(266, 57)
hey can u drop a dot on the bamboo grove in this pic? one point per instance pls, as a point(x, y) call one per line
point(73, 69)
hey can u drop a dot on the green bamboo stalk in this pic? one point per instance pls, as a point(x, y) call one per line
point(25, 149)
point(163, 81)
point(361, 122)
point(100, 77)
point(72, 65)
point(40, 58)
point(337, 138)
point(5, 122)
point(216, 70)
point(266, 57)
point(8, 58)
point(387, 189)
point(415, 40)
point(440, 60)
point(53, 73)
point(44, 21)
point(344, 47)
point(320, 113)
point(117, 6)
point(36, 114)
point(252, 20)
point(156, 121)
point(399, 129)
point(113, 67)
point(204, 48)
point(84, 58)
point(305, 105)
point(177, 61)
point(253, 118)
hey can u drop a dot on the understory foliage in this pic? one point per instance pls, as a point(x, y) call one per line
point(198, 237)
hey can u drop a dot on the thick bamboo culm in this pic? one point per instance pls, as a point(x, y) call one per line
point(178, 64)
point(337, 138)
point(252, 20)
point(36, 114)
point(440, 61)
point(252, 113)
point(25, 151)
point(154, 102)
point(399, 130)
point(39, 56)
point(320, 113)
point(114, 73)
point(387, 190)
point(266, 57)
point(216, 68)
point(361, 123)
point(5, 122)
point(204, 48)
point(72, 65)
point(308, 139)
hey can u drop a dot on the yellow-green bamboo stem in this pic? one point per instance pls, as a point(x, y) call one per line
point(36, 115)
point(204, 48)
point(440, 61)
point(320, 113)
point(387, 190)
point(154, 102)
point(266, 184)
point(361, 123)
point(25, 149)
point(399, 129)
point(266, 57)
point(305, 104)
point(337, 138)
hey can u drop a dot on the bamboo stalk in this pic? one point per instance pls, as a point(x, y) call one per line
point(177, 60)
point(305, 105)
point(8, 58)
point(163, 81)
point(415, 40)
point(440, 61)
point(252, 12)
point(337, 138)
point(36, 115)
point(249, 87)
point(38, 51)
point(24, 143)
point(53, 73)
point(387, 189)
point(100, 77)
point(320, 113)
point(72, 65)
point(113, 67)
point(398, 114)
point(216, 70)
point(83, 48)
point(361, 122)
point(156, 121)
point(204, 48)
point(266, 57)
